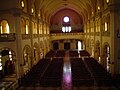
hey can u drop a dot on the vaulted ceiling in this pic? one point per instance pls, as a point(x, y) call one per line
point(50, 7)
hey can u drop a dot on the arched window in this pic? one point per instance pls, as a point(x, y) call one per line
point(106, 26)
point(107, 1)
point(4, 27)
point(98, 25)
point(66, 19)
point(27, 27)
point(107, 23)
point(34, 27)
point(23, 26)
point(22, 4)
point(66, 27)
point(7, 61)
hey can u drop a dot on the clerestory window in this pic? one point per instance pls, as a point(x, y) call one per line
point(66, 27)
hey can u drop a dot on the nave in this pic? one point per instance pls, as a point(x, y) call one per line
point(67, 70)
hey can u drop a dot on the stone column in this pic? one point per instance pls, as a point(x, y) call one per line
point(38, 30)
point(114, 41)
point(73, 45)
point(93, 43)
point(101, 30)
point(32, 46)
point(19, 52)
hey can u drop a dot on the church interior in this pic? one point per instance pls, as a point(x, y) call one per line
point(60, 44)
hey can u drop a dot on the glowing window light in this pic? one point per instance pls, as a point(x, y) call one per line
point(0, 67)
point(22, 4)
point(63, 29)
point(66, 19)
point(107, 1)
point(1, 30)
point(105, 26)
point(10, 59)
point(4, 27)
point(67, 29)
point(7, 28)
point(10, 56)
point(10, 52)
point(98, 7)
point(26, 29)
point(32, 10)
point(79, 46)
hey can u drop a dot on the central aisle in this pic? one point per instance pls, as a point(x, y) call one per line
point(67, 77)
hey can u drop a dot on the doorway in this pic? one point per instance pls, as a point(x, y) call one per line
point(55, 46)
point(79, 45)
point(7, 63)
point(67, 46)
point(106, 57)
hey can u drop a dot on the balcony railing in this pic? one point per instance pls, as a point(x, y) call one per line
point(67, 36)
point(7, 37)
point(61, 34)
point(35, 35)
point(25, 36)
point(107, 33)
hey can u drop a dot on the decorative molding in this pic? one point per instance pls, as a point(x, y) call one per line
point(7, 37)
point(97, 33)
point(35, 35)
point(26, 36)
point(107, 33)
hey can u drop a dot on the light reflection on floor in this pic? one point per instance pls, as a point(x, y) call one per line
point(67, 78)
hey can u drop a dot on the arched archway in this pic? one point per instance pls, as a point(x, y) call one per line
point(27, 58)
point(79, 45)
point(36, 53)
point(67, 46)
point(5, 29)
point(7, 62)
point(55, 46)
point(106, 56)
point(97, 50)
